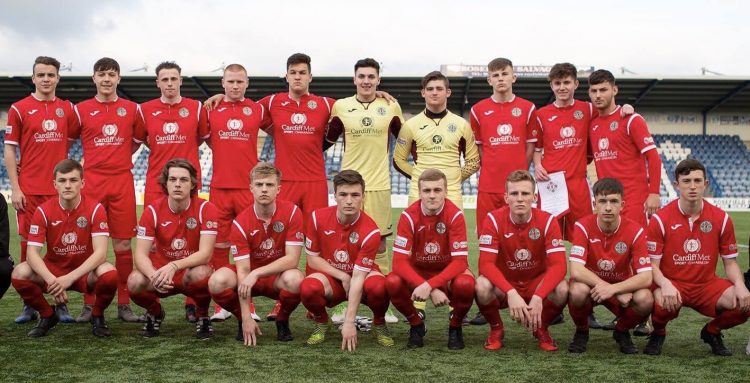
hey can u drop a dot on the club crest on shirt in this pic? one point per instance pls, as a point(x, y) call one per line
point(366, 121)
point(109, 130)
point(381, 111)
point(452, 128)
point(122, 112)
point(354, 237)
point(103, 226)
point(59, 112)
point(516, 112)
point(522, 255)
point(247, 111)
point(69, 238)
point(183, 112)
point(606, 265)
point(613, 126)
point(278, 226)
point(692, 246)
point(431, 248)
point(82, 222)
point(49, 125)
point(706, 226)
point(191, 223)
point(267, 244)
point(341, 256)
point(312, 104)
point(578, 115)
point(178, 244)
point(440, 228)
point(621, 247)
point(534, 233)
point(437, 139)
point(299, 118)
point(644, 260)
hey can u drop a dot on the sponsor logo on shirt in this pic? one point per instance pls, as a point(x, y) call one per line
point(567, 134)
point(506, 137)
point(432, 248)
point(32, 111)
point(341, 256)
point(50, 132)
point(69, 238)
point(577, 251)
point(34, 229)
point(692, 248)
point(485, 240)
point(141, 231)
point(170, 136)
point(604, 152)
point(109, 133)
point(606, 265)
point(651, 246)
point(298, 121)
point(522, 255)
point(308, 243)
point(267, 244)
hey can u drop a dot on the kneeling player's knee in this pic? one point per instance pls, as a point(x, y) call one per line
point(375, 285)
point(198, 273)
point(221, 280)
point(578, 293)
point(291, 279)
point(483, 288)
point(393, 283)
point(643, 300)
point(560, 293)
point(22, 271)
point(137, 282)
point(120, 245)
point(104, 268)
point(463, 286)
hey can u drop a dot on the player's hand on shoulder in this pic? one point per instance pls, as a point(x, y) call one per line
point(385, 95)
point(250, 331)
point(348, 336)
point(439, 298)
point(627, 110)
point(213, 102)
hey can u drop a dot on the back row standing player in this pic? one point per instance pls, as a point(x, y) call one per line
point(37, 130)
point(234, 125)
point(106, 131)
point(366, 121)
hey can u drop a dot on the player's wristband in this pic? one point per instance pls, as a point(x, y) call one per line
point(174, 265)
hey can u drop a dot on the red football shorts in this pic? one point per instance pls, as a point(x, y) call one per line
point(307, 195)
point(525, 289)
point(487, 202)
point(702, 297)
point(81, 284)
point(23, 218)
point(634, 209)
point(117, 194)
point(230, 203)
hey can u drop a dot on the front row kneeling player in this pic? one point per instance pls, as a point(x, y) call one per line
point(430, 259)
point(267, 241)
point(521, 265)
point(609, 265)
point(685, 240)
point(183, 228)
point(76, 232)
point(341, 245)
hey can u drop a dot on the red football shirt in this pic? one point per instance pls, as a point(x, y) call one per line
point(503, 129)
point(431, 242)
point(252, 239)
point(618, 144)
point(177, 235)
point(345, 247)
point(234, 141)
point(520, 252)
point(67, 233)
point(614, 257)
point(171, 131)
point(40, 130)
point(298, 130)
point(106, 132)
point(688, 249)
point(563, 135)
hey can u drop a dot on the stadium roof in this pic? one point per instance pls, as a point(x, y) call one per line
point(698, 94)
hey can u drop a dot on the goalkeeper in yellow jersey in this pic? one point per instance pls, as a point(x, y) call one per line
point(437, 139)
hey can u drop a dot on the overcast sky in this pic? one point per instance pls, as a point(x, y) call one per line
point(668, 38)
